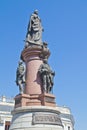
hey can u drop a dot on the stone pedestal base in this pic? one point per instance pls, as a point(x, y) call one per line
point(35, 100)
point(36, 118)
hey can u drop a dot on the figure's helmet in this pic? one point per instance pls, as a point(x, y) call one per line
point(36, 12)
point(20, 62)
point(45, 61)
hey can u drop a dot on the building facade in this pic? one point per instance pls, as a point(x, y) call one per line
point(6, 106)
point(66, 118)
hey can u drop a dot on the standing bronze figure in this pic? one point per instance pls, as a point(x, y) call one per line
point(47, 76)
point(20, 76)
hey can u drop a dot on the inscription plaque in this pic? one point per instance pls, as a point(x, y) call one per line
point(46, 118)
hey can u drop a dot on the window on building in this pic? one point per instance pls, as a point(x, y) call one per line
point(68, 127)
point(7, 125)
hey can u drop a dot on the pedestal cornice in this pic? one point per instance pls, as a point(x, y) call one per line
point(35, 52)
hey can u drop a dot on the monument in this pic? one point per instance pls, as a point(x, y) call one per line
point(35, 106)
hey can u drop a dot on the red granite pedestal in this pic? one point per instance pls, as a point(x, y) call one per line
point(33, 91)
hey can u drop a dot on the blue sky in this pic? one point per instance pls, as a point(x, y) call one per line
point(65, 30)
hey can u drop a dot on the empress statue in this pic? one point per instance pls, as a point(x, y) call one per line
point(34, 30)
